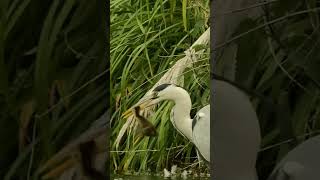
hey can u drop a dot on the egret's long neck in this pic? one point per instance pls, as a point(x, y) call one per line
point(181, 112)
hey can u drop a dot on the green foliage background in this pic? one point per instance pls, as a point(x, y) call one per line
point(50, 49)
point(277, 56)
point(52, 78)
point(147, 38)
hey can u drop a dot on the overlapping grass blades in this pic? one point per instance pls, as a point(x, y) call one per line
point(276, 57)
point(51, 56)
point(146, 40)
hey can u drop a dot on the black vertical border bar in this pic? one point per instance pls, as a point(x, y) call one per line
point(107, 58)
point(212, 59)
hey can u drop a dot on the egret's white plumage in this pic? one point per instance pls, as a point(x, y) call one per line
point(303, 162)
point(197, 130)
point(201, 132)
point(235, 130)
point(236, 133)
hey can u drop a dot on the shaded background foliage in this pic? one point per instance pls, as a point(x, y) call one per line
point(52, 77)
point(277, 57)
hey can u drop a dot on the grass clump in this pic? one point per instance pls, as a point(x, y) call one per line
point(147, 38)
point(52, 60)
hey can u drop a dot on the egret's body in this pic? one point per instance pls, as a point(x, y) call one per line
point(303, 162)
point(201, 137)
point(236, 133)
point(236, 129)
point(197, 130)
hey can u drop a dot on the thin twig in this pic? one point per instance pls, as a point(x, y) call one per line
point(288, 141)
point(284, 70)
point(245, 8)
point(71, 94)
point(75, 52)
point(146, 150)
point(262, 26)
point(32, 149)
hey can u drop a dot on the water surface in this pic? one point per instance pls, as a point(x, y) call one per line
point(145, 177)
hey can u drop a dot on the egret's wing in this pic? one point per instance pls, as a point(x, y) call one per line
point(303, 162)
point(201, 132)
point(235, 133)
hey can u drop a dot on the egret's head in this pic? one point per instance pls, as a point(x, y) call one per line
point(163, 92)
point(158, 94)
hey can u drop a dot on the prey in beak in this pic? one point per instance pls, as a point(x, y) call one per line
point(146, 102)
point(147, 128)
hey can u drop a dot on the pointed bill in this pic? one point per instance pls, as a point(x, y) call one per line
point(144, 103)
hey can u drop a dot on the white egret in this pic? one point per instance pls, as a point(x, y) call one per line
point(236, 132)
point(303, 162)
point(197, 130)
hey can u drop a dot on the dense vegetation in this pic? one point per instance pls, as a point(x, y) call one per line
point(52, 67)
point(277, 56)
point(147, 38)
point(52, 78)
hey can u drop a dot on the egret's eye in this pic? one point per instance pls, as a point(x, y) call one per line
point(154, 95)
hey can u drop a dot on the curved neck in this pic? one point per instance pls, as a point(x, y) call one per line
point(181, 112)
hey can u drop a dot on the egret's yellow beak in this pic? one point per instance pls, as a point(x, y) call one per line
point(143, 104)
